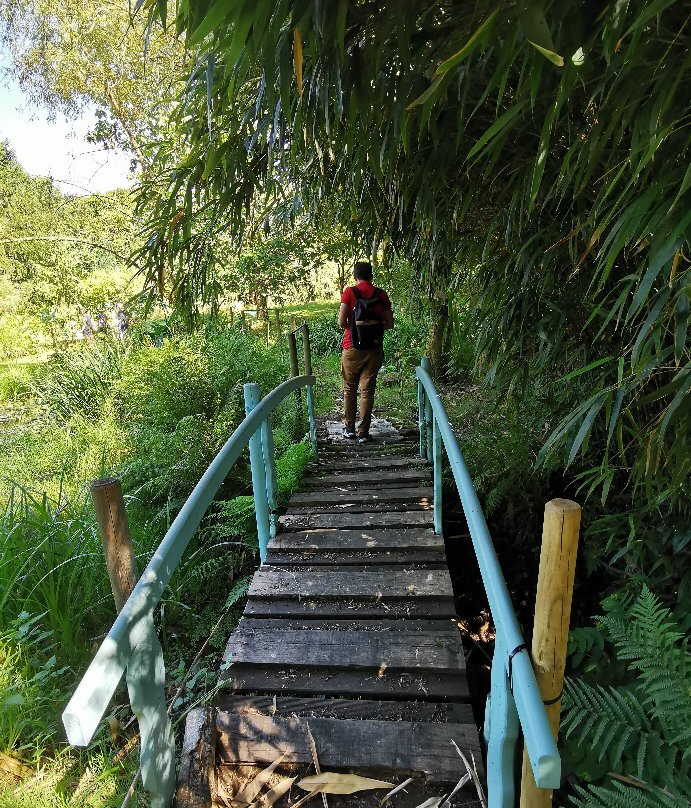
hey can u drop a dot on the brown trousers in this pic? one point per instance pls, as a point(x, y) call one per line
point(359, 368)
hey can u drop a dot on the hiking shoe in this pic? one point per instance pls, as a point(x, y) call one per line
point(364, 438)
point(349, 433)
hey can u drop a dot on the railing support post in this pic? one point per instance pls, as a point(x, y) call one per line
point(501, 733)
point(146, 678)
point(295, 369)
point(428, 414)
point(551, 627)
point(269, 455)
point(307, 353)
point(437, 450)
point(261, 502)
point(421, 417)
point(279, 334)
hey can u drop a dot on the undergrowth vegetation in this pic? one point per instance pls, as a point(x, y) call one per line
point(152, 410)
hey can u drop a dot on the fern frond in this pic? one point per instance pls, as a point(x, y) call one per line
point(607, 713)
point(651, 642)
point(622, 795)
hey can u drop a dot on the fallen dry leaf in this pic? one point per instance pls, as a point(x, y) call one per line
point(306, 798)
point(393, 791)
point(337, 783)
point(382, 670)
point(432, 802)
point(250, 791)
point(315, 760)
point(273, 794)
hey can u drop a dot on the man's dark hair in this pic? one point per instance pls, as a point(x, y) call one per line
point(362, 271)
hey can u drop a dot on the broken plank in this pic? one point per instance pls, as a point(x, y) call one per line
point(270, 582)
point(197, 760)
point(348, 743)
point(367, 650)
point(367, 520)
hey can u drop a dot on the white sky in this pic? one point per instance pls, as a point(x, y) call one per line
point(58, 148)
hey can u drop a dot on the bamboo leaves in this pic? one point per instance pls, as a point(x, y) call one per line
point(338, 783)
point(537, 32)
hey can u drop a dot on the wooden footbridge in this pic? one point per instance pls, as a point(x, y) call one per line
point(347, 657)
point(348, 630)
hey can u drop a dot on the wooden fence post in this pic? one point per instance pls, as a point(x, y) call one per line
point(295, 370)
point(551, 627)
point(307, 354)
point(115, 537)
point(279, 334)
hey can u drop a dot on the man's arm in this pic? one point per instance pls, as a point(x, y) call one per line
point(388, 320)
point(343, 316)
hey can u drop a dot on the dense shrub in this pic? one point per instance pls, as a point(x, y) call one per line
point(79, 379)
point(325, 335)
point(159, 386)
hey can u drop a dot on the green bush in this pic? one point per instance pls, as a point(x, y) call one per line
point(325, 335)
point(15, 381)
point(159, 386)
point(404, 345)
point(79, 379)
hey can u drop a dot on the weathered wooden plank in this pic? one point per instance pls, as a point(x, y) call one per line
point(415, 559)
point(367, 650)
point(367, 463)
point(363, 497)
point(364, 507)
point(375, 583)
point(364, 608)
point(402, 624)
point(369, 520)
point(325, 707)
point(348, 540)
point(194, 786)
point(367, 478)
point(369, 449)
point(363, 565)
point(348, 743)
point(434, 686)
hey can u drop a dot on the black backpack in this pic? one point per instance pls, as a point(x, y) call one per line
point(366, 327)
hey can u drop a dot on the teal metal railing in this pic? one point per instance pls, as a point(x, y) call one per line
point(131, 646)
point(514, 700)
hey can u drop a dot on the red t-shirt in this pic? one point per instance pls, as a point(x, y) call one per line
point(366, 290)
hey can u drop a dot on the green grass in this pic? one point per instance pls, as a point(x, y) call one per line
point(154, 414)
point(308, 311)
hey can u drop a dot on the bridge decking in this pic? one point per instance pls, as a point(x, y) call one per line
point(349, 630)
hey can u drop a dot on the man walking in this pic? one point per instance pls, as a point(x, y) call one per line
point(365, 314)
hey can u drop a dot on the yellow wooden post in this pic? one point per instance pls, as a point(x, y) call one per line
point(551, 626)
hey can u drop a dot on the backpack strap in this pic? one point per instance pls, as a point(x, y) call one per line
point(356, 292)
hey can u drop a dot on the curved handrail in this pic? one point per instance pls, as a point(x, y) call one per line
point(90, 700)
point(539, 740)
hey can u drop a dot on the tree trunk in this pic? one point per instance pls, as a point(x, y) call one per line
point(438, 318)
